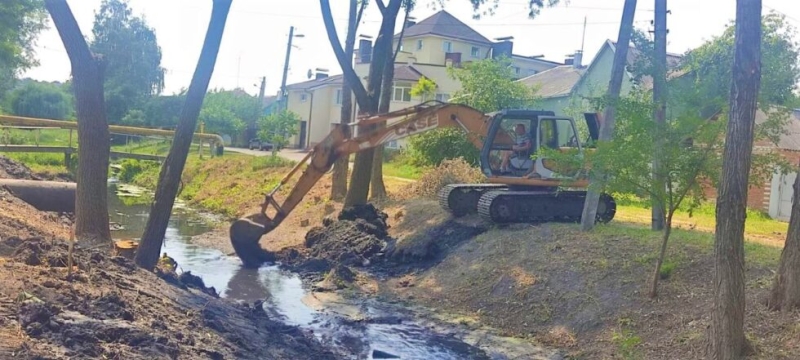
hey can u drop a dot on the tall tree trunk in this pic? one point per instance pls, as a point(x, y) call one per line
point(170, 176)
point(786, 288)
point(659, 113)
point(341, 166)
point(726, 338)
point(377, 187)
point(362, 167)
point(589, 214)
point(91, 203)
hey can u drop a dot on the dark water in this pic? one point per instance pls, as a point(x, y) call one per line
point(355, 329)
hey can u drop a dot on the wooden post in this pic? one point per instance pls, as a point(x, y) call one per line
point(68, 158)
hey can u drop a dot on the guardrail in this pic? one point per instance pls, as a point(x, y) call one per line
point(215, 141)
point(20, 121)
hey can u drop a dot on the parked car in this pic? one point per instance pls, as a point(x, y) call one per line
point(256, 144)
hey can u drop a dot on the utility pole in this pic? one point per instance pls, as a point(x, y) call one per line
point(659, 113)
point(252, 127)
point(283, 102)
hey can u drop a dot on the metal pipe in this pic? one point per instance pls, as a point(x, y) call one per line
point(43, 195)
point(129, 130)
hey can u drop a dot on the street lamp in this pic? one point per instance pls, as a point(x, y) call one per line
point(284, 94)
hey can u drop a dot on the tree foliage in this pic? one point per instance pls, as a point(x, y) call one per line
point(780, 52)
point(133, 57)
point(488, 7)
point(228, 111)
point(20, 22)
point(41, 100)
point(488, 85)
point(163, 111)
point(424, 88)
point(432, 147)
point(278, 127)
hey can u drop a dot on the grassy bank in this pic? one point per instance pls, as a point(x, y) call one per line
point(226, 185)
point(583, 292)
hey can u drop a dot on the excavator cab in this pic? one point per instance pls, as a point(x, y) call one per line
point(540, 129)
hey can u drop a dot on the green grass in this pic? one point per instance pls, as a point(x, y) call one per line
point(46, 137)
point(699, 241)
point(42, 163)
point(758, 225)
point(402, 170)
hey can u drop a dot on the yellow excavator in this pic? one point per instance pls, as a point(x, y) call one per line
point(521, 187)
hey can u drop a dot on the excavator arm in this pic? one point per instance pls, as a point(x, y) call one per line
point(245, 233)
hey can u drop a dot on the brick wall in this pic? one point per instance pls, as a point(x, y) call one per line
point(758, 194)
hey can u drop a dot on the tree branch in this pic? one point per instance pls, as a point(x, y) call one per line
point(362, 98)
point(69, 30)
point(381, 6)
point(402, 31)
point(362, 6)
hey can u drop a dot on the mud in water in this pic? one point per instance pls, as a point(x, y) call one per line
point(106, 307)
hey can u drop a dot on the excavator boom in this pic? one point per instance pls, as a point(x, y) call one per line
point(245, 233)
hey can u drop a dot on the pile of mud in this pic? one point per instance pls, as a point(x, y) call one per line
point(106, 307)
point(10, 169)
point(358, 238)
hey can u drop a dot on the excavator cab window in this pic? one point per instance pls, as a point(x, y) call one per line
point(559, 134)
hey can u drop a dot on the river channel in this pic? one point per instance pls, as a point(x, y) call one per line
point(354, 329)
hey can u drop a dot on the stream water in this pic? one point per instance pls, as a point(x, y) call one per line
point(355, 329)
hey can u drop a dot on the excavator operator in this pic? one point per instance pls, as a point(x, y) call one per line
point(519, 156)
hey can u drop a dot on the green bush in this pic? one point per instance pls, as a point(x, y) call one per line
point(433, 147)
point(130, 168)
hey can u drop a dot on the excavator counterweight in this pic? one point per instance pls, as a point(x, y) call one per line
point(519, 188)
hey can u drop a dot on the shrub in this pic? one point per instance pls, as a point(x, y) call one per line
point(130, 168)
point(433, 147)
point(452, 171)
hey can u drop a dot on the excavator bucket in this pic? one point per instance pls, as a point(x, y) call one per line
point(245, 234)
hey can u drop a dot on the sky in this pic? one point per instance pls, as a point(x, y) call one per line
point(256, 34)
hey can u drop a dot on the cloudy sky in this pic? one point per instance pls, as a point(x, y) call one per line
point(254, 42)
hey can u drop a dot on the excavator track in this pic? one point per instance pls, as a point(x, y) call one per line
point(540, 206)
point(462, 199)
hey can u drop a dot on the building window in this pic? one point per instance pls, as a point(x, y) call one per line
point(419, 44)
point(443, 97)
point(338, 96)
point(392, 144)
point(476, 52)
point(447, 46)
point(303, 97)
point(401, 46)
point(402, 94)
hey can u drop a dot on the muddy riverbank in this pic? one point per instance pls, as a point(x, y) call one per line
point(105, 307)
